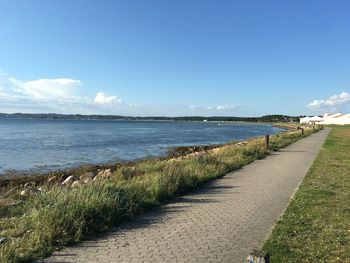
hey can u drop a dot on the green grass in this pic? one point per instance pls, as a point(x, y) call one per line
point(37, 225)
point(316, 225)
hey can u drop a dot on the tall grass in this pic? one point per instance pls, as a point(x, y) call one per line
point(57, 216)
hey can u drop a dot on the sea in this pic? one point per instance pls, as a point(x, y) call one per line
point(42, 145)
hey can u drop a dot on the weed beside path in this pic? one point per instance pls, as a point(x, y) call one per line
point(57, 215)
point(316, 225)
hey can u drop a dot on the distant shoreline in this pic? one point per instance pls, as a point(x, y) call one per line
point(55, 116)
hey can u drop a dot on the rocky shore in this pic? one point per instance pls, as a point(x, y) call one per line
point(27, 179)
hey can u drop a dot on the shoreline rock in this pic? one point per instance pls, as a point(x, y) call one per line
point(86, 177)
point(69, 180)
point(104, 174)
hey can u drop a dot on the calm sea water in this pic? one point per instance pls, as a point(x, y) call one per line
point(28, 144)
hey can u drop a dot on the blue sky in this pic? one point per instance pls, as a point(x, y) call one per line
point(184, 57)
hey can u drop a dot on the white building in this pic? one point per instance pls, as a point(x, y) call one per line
point(337, 118)
point(311, 120)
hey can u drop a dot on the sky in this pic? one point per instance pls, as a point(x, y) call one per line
point(175, 58)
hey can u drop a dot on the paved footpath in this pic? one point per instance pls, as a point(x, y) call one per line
point(221, 222)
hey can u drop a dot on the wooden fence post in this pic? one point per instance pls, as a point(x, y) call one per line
point(302, 130)
point(267, 141)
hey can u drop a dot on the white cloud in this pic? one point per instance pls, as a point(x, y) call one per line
point(225, 107)
point(214, 108)
point(332, 102)
point(61, 95)
point(103, 99)
point(66, 95)
point(41, 89)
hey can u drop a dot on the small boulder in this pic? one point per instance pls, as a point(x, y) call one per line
point(86, 177)
point(51, 180)
point(104, 174)
point(75, 184)
point(216, 150)
point(108, 173)
point(69, 180)
point(3, 240)
point(27, 185)
point(24, 193)
point(87, 180)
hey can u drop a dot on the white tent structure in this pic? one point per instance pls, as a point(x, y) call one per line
point(336, 118)
point(311, 120)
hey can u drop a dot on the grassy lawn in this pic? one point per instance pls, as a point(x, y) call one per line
point(316, 225)
point(57, 215)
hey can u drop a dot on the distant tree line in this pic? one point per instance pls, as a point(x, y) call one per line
point(55, 116)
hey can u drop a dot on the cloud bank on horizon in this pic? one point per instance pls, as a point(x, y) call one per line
point(65, 95)
point(333, 103)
